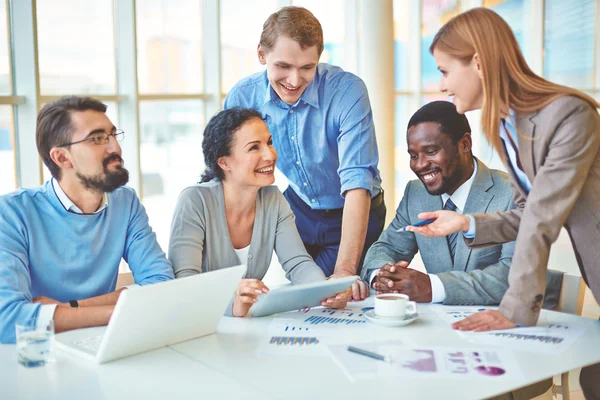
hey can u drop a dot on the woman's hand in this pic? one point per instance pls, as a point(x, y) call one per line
point(446, 222)
point(340, 300)
point(246, 294)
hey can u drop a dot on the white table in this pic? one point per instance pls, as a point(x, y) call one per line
point(226, 365)
point(233, 351)
point(158, 374)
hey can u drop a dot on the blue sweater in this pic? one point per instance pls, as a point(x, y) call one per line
point(46, 250)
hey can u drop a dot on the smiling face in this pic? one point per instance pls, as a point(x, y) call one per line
point(441, 165)
point(462, 81)
point(252, 156)
point(289, 68)
point(97, 167)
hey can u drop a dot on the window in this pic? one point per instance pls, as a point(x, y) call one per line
point(7, 155)
point(76, 47)
point(169, 44)
point(434, 14)
point(170, 156)
point(238, 47)
point(569, 42)
point(331, 16)
point(8, 181)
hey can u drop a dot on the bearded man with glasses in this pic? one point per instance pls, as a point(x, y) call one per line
point(61, 244)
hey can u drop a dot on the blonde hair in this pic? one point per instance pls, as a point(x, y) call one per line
point(508, 82)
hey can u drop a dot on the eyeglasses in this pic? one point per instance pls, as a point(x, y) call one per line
point(99, 138)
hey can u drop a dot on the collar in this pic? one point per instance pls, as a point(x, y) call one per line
point(69, 205)
point(460, 195)
point(310, 95)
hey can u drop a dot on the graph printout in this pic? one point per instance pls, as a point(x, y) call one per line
point(415, 362)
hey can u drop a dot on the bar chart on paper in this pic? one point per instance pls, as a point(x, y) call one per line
point(334, 317)
point(293, 340)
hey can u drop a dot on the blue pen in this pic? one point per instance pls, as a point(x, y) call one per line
point(420, 223)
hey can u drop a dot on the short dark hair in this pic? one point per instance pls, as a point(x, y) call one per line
point(445, 115)
point(54, 126)
point(218, 137)
point(297, 23)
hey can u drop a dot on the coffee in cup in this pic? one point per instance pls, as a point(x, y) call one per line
point(394, 305)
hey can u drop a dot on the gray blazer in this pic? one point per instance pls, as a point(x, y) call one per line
point(477, 276)
point(559, 149)
point(200, 239)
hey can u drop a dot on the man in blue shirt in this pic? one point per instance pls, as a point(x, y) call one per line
point(322, 126)
point(61, 244)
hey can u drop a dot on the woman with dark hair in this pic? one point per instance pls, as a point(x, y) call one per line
point(234, 216)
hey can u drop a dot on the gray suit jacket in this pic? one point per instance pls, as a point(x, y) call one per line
point(200, 239)
point(559, 151)
point(478, 276)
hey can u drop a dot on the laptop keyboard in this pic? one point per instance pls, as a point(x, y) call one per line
point(91, 343)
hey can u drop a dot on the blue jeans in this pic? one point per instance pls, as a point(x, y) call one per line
point(321, 230)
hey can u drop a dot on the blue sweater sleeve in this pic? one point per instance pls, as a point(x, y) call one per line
point(15, 280)
point(146, 260)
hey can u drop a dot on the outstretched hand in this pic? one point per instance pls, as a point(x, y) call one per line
point(446, 222)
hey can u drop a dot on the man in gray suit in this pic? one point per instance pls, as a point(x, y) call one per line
point(450, 177)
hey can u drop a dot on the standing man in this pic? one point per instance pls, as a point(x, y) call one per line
point(61, 244)
point(322, 126)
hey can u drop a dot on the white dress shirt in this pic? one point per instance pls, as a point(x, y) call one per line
point(459, 198)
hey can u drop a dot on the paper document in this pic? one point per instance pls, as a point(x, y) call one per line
point(552, 338)
point(544, 338)
point(424, 362)
point(290, 338)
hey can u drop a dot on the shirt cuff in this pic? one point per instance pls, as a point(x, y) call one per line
point(45, 315)
point(438, 293)
point(470, 234)
point(373, 275)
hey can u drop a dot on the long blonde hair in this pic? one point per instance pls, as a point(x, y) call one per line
point(508, 82)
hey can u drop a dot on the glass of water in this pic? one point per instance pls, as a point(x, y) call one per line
point(35, 343)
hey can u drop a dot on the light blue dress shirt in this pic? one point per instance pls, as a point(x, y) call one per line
point(507, 127)
point(326, 141)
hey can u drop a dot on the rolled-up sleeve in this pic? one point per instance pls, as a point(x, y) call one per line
point(357, 145)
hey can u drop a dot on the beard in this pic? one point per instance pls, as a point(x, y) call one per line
point(108, 181)
point(449, 182)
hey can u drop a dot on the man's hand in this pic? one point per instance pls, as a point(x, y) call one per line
point(360, 290)
point(340, 300)
point(48, 300)
point(398, 278)
point(484, 321)
point(446, 222)
point(246, 294)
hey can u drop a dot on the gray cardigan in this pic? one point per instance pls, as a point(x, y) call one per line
point(200, 239)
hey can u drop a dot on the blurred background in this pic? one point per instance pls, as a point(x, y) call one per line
point(164, 67)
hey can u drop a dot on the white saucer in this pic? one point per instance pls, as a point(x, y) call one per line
point(390, 321)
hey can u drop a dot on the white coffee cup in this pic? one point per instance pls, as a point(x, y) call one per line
point(394, 305)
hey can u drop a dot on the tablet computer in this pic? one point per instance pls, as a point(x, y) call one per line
point(295, 297)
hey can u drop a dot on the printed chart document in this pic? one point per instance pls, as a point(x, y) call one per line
point(425, 362)
point(307, 332)
point(290, 338)
point(544, 338)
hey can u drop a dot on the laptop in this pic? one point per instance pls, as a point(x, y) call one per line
point(146, 318)
point(295, 297)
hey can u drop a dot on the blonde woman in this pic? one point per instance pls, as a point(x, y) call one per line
point(549, 138)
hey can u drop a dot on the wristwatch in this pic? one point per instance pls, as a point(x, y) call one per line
point(74, 303)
